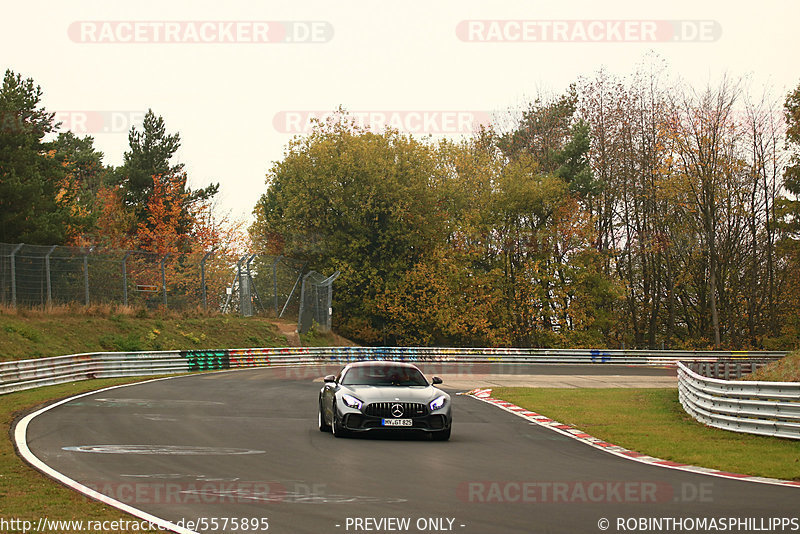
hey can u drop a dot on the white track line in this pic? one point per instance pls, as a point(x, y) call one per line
point(20, 438)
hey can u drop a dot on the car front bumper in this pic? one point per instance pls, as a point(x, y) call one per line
point(358, 422)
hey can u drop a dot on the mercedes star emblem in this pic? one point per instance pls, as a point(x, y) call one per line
point(397, 410)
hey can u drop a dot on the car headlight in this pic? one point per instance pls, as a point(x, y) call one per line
point(438, 402)
point(351, 401)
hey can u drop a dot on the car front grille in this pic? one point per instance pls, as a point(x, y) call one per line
point(386, 409)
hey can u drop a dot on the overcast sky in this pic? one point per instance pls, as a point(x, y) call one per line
point(232, 79)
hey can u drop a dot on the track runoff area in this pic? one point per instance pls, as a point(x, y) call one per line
point(240, 451)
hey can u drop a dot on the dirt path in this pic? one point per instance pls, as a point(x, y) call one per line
point(289, 331)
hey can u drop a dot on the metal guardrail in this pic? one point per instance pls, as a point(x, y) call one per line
point(26, 374)
point(726, 369)
point(764, 408)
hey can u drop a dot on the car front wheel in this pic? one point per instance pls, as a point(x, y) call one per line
point(323, 425)
point(338, 428)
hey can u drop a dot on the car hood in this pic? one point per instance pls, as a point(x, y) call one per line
point(369, 394)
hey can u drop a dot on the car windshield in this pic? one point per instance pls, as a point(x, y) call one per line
point(383, 375)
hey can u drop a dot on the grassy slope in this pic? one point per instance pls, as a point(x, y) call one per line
point(29, 334)
point(784, 370)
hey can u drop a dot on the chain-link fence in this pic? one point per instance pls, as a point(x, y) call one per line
point(316, 297)
point(266, 285)
point(34, 275)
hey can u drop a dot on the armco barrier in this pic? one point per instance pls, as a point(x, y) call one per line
point(26, 374)
point(726, 369)
point(766, 408)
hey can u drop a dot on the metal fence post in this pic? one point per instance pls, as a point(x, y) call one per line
point(125, 278)
point(14, 276)
point(275, 282)
point(329, 304)
point(203, 279)
point(164, 278)
point(299, 277)
point(239, 281)
point(236, 280)
point(252, 285)
point(86, 274)
point(47, 274)
point(300, 320)
point(245, 287)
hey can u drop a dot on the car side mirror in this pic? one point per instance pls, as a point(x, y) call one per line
point(437, 380)
point(330, 379)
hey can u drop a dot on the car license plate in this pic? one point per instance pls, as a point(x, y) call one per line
point(397, 422)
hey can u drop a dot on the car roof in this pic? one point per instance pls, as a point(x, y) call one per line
point(375, 363)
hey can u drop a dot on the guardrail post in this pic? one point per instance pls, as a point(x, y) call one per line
point(14, 276)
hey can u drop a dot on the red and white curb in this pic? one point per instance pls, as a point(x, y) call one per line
point(485, 395)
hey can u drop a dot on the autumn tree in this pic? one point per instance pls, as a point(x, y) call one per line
point(704, 140)
point(36, 194)
point(150, 154)
point(355, 201)
point(542, 130)
point(789, 212)
point(628, 212)
point(791, 206)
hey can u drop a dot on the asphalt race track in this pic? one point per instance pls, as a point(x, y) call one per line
point(245, 444)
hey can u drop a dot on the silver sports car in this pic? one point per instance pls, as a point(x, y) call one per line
point(383, 396)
